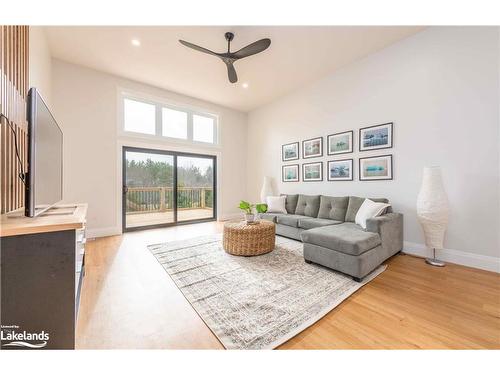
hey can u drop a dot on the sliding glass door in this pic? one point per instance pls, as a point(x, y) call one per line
point(162, 188)
point(195, 188)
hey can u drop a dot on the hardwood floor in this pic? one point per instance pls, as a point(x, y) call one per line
point(129, 301)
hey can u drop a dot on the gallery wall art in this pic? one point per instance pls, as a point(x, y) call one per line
point(290, 173)
point(372, 168)
point(312, 148)
point(290, 151)
point(375, 137)
point(340, 170)
point(340, 143)
point(375, 168)
point(312, 171)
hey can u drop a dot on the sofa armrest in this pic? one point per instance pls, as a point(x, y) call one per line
point(390, 229)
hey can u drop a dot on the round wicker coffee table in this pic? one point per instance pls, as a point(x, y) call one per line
point(244, 239)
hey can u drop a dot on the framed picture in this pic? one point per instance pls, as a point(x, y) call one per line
point(290, 151)
point(290, 173)
point(312, 148)
point(375, 168)
point(340, 170)
point(312, 171)
point(375, 137)
point(340, 143)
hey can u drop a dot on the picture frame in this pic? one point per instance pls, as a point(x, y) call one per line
point(312, 172)
point(340, 170)
point(340, 143)
point(376, 168)
point(290, 173)
point(290, 151)
point(376, 137)
point(312, 148)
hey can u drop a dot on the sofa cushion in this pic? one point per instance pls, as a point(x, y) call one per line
point(347, 238)
point(368, 210)
point(290, 220)
point(354, 205)
point(291, 202)
point(276, 205)
point(307, 205)
point(333, 208)
point(314, 223)
point(269, 216)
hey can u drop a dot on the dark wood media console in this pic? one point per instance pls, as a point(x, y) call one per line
point(42, 269)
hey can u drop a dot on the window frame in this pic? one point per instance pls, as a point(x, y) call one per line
point(159, 104)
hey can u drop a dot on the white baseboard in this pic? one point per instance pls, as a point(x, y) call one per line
point(463, 258)
point(103, 232)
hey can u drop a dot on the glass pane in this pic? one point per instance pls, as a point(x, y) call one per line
point(195, 181)
point(149, 198)
point(174, 123)
point(139, 117)
point(203, 129)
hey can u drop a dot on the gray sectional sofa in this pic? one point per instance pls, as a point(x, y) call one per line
point(331, 238)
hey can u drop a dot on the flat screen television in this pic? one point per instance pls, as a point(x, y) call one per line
point(43, 181)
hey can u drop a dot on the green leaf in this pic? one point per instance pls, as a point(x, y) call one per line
point(246, 207)
point(261, 208)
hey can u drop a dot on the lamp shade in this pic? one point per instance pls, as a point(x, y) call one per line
point(267, 189)
point(432, 208)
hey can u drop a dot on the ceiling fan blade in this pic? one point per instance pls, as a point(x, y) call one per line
point(231, 73)
point(198, 48)
point(253, 48)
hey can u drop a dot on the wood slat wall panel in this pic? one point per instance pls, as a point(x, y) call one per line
point(14, 81)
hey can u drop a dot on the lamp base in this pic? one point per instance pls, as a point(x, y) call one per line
point(435, 262)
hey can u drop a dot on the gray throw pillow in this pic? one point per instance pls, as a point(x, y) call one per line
point(291, 202)
point(333, 208)
point(307, 205)
point(354, 205)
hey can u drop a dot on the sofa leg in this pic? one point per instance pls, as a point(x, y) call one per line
point(357, 279)
point(307, 261)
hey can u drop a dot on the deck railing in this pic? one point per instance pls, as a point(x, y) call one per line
point(161, 199)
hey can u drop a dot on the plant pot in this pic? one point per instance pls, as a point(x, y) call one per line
point(249, 218)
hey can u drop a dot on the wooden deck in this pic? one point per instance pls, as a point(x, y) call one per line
point(154, 218)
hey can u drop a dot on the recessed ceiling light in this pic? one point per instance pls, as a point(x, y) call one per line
point(135, 42)
point(244, 85)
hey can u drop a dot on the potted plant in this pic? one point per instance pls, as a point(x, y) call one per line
point(246, 207)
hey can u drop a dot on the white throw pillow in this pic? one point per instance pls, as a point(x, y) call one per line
point(368, 210)
point(276, 205)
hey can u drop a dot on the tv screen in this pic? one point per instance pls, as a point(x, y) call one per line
point(45, 148)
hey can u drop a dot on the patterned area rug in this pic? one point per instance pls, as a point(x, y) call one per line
point(254, 302)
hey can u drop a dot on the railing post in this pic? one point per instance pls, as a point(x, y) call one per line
point(162, 200)
point(202, 197)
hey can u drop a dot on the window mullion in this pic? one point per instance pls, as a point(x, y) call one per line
point(158, 120)
point(190, 125)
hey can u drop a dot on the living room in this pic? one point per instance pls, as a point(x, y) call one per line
point(250, 187)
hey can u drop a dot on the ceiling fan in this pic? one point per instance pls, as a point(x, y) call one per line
point(230, 57)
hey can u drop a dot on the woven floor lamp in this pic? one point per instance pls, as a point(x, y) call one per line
point(432, 211)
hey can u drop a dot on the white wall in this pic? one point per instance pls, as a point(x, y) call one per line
point(440, 88)
point(86, 107)
point(40, 64)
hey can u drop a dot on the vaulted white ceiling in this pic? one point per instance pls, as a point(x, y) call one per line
point(297, 56)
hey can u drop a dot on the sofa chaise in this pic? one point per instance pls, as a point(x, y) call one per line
point(326, 226)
